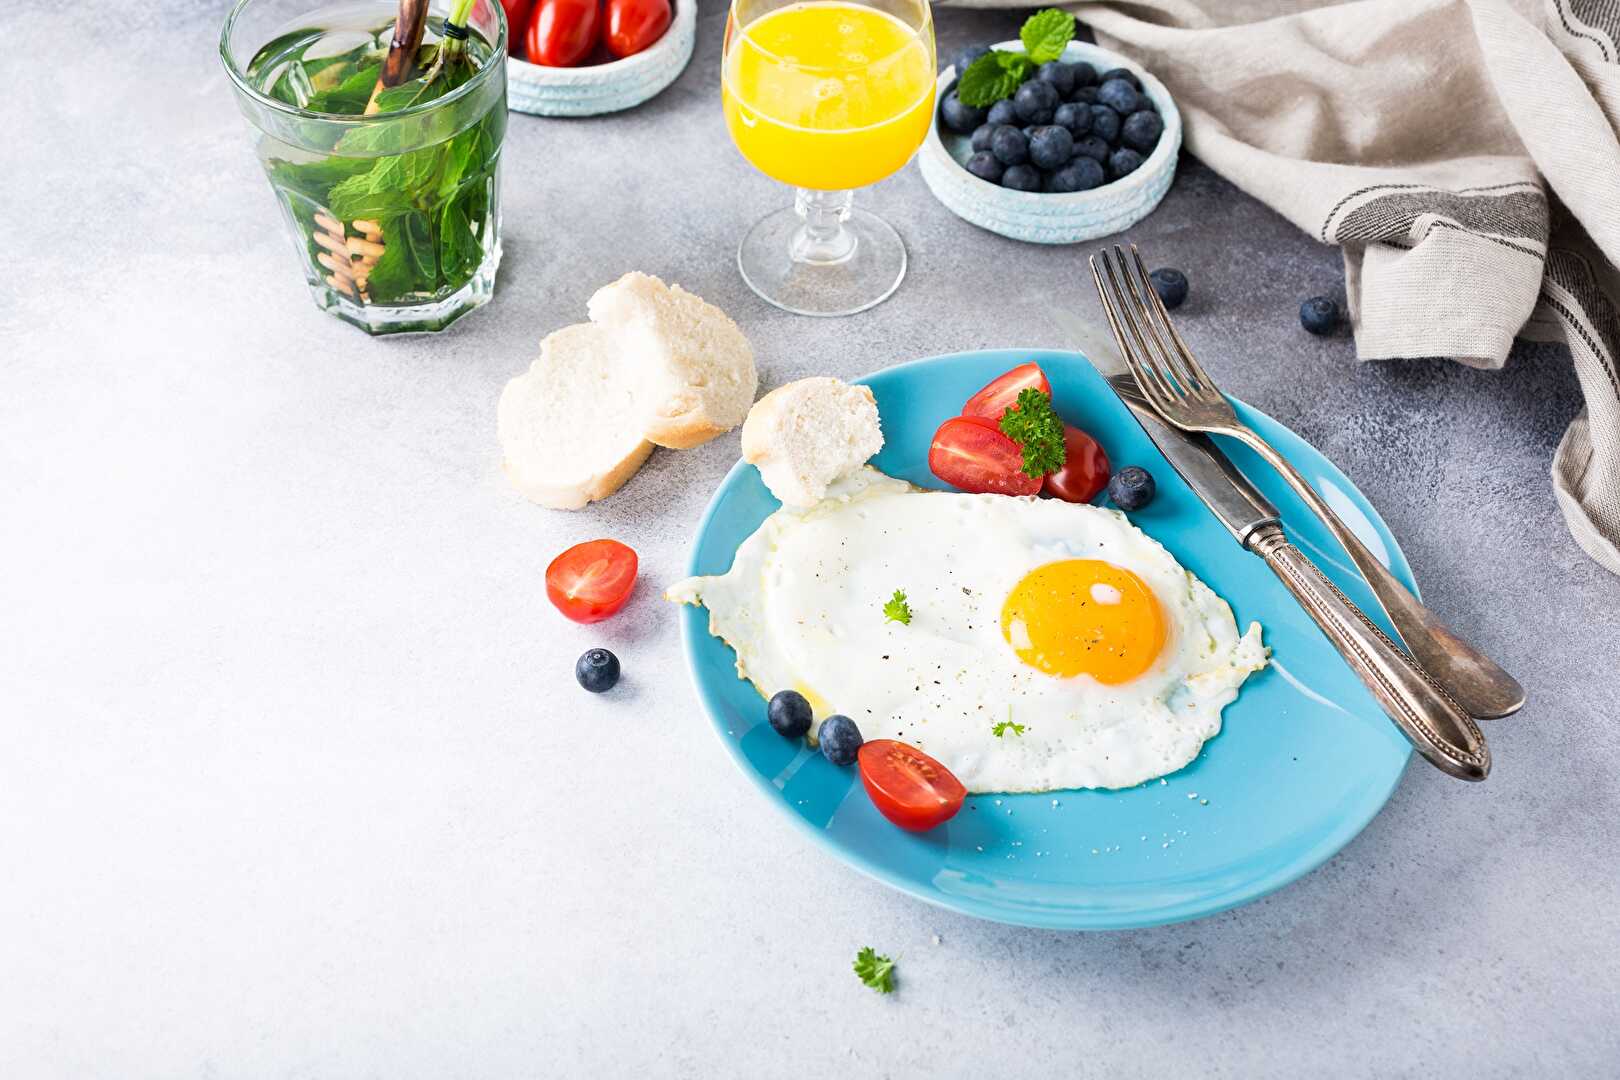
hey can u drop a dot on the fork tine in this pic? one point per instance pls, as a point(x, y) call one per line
point(1190, 384)
point(1136, 318)
point(1188, 359)
point(1118, 310)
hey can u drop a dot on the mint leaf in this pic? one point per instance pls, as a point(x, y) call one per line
point(993, 77)
point(1046, 33)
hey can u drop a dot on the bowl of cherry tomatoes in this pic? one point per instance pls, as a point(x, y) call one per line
point(587, 57)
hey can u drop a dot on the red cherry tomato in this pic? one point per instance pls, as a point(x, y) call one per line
point(1002, 393)
point(907, 786)
point(591, 581)
point(632, 25)
point(970, 453)
point(1084, 471)
point(517, 23)
point(562, 32)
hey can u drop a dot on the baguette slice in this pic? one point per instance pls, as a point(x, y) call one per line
point(691, 366)
point(807, 434)
point(570, 426)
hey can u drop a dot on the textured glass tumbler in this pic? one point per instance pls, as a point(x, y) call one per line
point(423, 251)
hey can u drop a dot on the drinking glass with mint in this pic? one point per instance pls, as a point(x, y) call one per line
point(380, 129)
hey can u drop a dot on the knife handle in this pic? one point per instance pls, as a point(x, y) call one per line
point(1445, 735)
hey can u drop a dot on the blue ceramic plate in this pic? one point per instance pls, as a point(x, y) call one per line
point(1303, 762)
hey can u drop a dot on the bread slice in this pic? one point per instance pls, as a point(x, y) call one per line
point(570, 426)
point(691, 367)
point(807, 434)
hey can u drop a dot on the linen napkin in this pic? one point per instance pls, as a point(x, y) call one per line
point(1462, 153)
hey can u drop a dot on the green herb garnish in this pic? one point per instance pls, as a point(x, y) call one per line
point(1046, 34)
point(897, 610)
point(1037, 430)
point(1001, 729)
point(992, 77)
point(997, 74)
point(875, 971)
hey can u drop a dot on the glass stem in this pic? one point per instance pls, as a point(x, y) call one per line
point(822, 239)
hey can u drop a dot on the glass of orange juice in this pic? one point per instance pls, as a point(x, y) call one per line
point(829, 96)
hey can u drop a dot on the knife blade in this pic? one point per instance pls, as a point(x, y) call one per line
point(1235, 502)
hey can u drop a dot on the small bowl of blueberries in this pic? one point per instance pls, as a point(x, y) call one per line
point(1071, 149)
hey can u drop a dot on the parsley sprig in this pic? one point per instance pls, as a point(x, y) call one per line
point(896, 609)
point(1037, 430)
point(997, 74)
point(874, 970)
point(1004, 726)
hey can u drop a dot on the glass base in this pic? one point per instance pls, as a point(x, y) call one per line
point(858, 267)
point(380, 319)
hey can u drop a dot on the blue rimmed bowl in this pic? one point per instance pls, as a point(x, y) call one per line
point(1053, 218)
point(605, 88)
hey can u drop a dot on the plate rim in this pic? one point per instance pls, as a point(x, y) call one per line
point(694, 628)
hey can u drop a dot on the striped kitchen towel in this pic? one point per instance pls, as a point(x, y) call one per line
point(1452, 148)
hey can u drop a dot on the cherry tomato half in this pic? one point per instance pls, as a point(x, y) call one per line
point(1002, 393)
point(562, 32)
point(517, 23)
point(971, 453)
point(907, 786)
point(591, 581)
point(632, 25)
point(1085, 468)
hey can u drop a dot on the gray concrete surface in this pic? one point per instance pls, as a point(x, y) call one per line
point(295, 781)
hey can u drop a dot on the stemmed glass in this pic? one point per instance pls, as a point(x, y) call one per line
point(828, 96)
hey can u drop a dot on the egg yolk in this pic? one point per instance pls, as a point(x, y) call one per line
point(1084, 617)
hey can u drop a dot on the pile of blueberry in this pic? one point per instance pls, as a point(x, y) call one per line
point(1067, 128)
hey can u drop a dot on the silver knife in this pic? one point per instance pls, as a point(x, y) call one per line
point(1438, 729)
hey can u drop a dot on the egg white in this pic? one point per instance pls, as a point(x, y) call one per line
point(802, 606)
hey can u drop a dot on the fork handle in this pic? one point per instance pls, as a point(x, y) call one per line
point(1474, 680)
point(1437, 727)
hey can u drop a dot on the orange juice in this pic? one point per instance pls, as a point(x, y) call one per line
point(828, 96)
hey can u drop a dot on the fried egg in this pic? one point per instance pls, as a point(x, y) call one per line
point(1049, 645)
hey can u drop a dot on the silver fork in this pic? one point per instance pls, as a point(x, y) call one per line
point(1183, 393)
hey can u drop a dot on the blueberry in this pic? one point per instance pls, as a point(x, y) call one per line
point(597, 670)
point(1171, 285)
point(985, 166)
point(1009, 145)
point(1035, 102)
point(1051, 147)
point(840, 739)
point(1081, 174)
point(1141, 131)
point(1059, 74)
point(1084, 74)
point(1002, 112)
point(1091, 146)
point(1120, 96)
point(960, 117)
point(1131, 488)
point(1123, 163)
point(1124, 74)
point(1085, 95)
point(789, 713)
point(981, 137)
point(965, 58)
point(1077, 118)
point(1021, 178)
point(1105, 123)
point(1319, 315)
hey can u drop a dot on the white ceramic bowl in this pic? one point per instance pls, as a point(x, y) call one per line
point(605, 88)
point(1053, 218)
